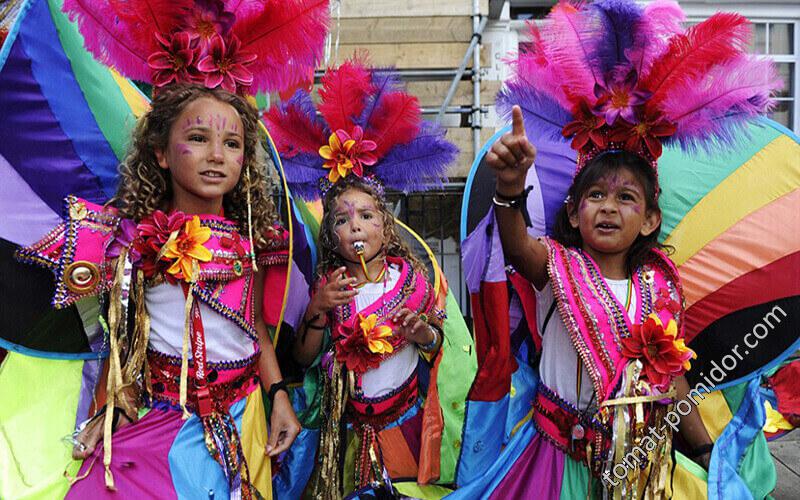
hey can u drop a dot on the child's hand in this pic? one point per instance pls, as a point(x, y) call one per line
point(334, 293)
point(410, 326)
point(512, 156)
point(87, 439)
point(283, 425)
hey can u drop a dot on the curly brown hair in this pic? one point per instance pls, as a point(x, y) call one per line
point(145, 187)
point(393, 243)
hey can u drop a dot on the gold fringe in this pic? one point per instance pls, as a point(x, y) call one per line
point(334, 398)
point(250, 221)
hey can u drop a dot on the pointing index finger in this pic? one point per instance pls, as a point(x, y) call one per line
point(517, 123)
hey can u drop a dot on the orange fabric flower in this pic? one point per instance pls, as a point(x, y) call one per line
point(663, 355)
point(375, 335)
point(186, 248)
point(345, 153)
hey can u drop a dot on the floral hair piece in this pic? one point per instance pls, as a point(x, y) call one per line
point(613, 75)
point(368, 127)
point(243, 46)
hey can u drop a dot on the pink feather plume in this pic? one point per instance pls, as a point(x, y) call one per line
point(716, 40)
point(288, 37)
point(343, 94)
point(662, 20)
point(122, 34)
point(728, 94)
point(293, 131)
point(396, 120)
point(534, 68)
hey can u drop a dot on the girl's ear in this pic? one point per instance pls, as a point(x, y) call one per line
point(651, 222)
point(162, 159)
point(572, 214)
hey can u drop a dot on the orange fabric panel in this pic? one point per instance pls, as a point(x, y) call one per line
point(397, 456)
point(432, 425)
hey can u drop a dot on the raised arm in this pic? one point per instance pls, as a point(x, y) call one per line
point(510, 158)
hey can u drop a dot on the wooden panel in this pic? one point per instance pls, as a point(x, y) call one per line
point(409, 8)
point(404, 30)
point(432, 94)
point(413, 55)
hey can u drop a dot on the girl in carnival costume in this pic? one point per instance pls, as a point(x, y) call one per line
point(618, 80)
point(374, 312)
point(180, 256)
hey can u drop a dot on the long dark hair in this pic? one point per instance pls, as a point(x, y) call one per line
point(595, 169)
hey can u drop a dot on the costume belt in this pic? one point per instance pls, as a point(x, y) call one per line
point(380, 412)
point(227, 382)
point(568, 429)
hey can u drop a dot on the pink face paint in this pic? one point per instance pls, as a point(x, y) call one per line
point(240, 159)
point(198, 120)
point(235, 127)
point(351, 209)
point(224, 121)
point(184, 149)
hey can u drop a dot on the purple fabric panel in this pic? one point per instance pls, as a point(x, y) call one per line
point(55, 169)
point(91, 370)
point(536, 474)
point(26, 218)
point(555, 167)
point(139, 461)
point(412, 432)
point(298, 298)
point(482, 254)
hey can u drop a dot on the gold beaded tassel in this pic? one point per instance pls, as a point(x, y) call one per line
point(328, 481)
point(250, 220)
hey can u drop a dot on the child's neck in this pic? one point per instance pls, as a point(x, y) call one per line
point(374, 267)
point(612, 266)
point(196, 206)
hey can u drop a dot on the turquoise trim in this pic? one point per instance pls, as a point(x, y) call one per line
point(780, 128)
point(471, 178)
point(11, 347)
point(12, 34)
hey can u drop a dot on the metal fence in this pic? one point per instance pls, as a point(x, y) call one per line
point(436, 217)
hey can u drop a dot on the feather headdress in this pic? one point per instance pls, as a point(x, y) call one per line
point(243, 46)
point(613, 75)
point(368, 126)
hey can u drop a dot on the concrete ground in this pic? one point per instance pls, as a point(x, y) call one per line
point(786, 453)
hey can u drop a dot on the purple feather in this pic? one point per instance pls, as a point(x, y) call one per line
point(543, 116)
point(419, 164)
point(616, 22)
point(303, 173)
point(383, 81)
point(303, 101)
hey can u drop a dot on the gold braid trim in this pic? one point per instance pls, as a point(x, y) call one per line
point(334, 398)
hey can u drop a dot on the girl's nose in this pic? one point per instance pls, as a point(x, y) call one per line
point(216, 152)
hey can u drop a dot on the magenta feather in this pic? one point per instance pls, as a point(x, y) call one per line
point(295, 127)
point(721, 101)
point(112, 37)
point(662, 20)
point(288, 38)
point(567, 42)
point(716, 40)
point(395, 120)
point(533, 68)
point(343, 94)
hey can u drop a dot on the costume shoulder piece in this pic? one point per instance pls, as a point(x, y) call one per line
point(74, 250)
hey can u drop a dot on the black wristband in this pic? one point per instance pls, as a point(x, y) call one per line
point(274, 388)
point(518, 202)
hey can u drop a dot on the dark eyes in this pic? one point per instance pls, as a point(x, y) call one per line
point(197, 138)
point(339, 221)
point(232, 144)
point(595, 194)
point(366, 216)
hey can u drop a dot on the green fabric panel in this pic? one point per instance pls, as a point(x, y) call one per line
point(424, 492)
point(575, 481)
point(687, 178)
point(308, 218)
point(103, 95)
point(456, 372)
point(691, 466)
point(35, 417)
point(757, 468)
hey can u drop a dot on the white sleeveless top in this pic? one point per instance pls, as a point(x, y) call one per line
point(224, 340)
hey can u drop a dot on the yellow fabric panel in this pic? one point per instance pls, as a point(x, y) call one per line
point(254, 443)
point(742, 248)
point(715, 413)
point(132, 95)
point(771, 173)
point(689, 481)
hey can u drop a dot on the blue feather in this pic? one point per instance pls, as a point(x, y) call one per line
point(543, 116)
point(616, 24)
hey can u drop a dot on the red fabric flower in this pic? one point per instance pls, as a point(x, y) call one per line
point(586, 127)
point(176, 62)
point(208, 18)
point(645, 136)
point(225, 66)
point(361, 347)
point(665, 301)
point(152, 233)
point(663, 355)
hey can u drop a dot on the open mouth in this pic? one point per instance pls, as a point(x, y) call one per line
point(607, 226)
point(213, 174)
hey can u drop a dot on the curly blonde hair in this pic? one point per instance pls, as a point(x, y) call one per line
point(145, 187)
point(393, 245)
